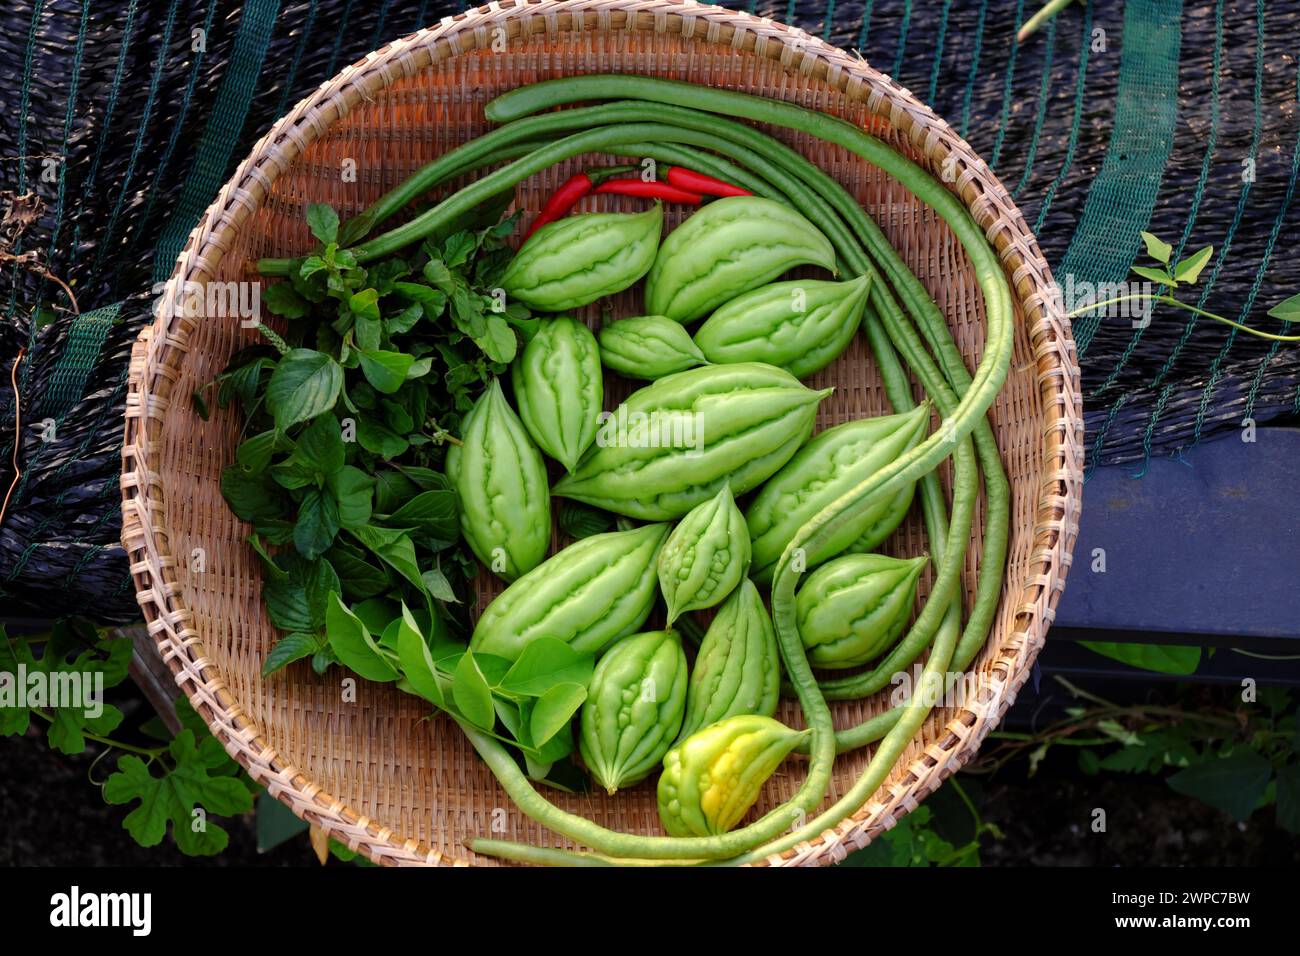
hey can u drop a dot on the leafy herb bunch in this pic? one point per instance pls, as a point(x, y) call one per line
point(339, 471)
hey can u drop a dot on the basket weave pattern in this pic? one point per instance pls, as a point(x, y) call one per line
point(374, 774)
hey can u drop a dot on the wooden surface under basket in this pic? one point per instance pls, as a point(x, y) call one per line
point(374, 773)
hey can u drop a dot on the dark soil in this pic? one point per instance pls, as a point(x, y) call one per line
point(54, 815)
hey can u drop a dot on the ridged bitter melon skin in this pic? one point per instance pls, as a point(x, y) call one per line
point(592, 593)
point(559, 388)
point(673, 444)
point(730, 246)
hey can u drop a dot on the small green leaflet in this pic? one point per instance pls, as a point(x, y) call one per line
point(318, 523)
point(1155, 275)
point(471, 693)
point(353, 645)
point(1157, 248)
point(1288, 310)
point(323, 222)
point(417, 662)
point(1189, 269)
point(1162, 658)
point(353, 489)
point(546, 663)
point(386, 371)
point(292, 647)
point(394, 547)
point(281, 299)
point(553, 711)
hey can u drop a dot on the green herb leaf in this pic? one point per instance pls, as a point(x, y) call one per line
point(292, 647)
point(386, 371)
point(471, 693)
point(1157, 249)
point(298, 600)
point(438, 587)
point(283, 299)
point(1189, 269)
point(304, 384)
point(1155, 275)
point(353, 489)
point(173, 797)
point(499, 343)
point(1288, 798)
point(545, 663)
point(254, 454)
point(323, 222)
point(250, 497)
point(353, 645)
point(1234, 784)
point(393, 547)
point(318, 523)
point(320, 446)
point(1288, 310)
point(434, 513)
point(578, 520)
point(1162, 658)
point(554, 710)
point(417, 662)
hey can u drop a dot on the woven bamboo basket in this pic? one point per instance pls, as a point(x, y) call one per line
point(375, 774)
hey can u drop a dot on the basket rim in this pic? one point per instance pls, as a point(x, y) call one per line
point(162, 347)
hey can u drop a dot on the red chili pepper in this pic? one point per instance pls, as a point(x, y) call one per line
point(571, 191)
point(695, 182)
point(561, 201)
point(651, 190)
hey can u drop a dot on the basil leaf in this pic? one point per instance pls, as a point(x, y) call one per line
point(250, 497)
point(297, 601)
point(547, 662)
point(374, 436)
point(386, 371)
point(553, 711)
point(360, 578)
point(353, 645)
point(393, 547)
point(318, 523)
point(471, 693)
point(254, 454)
point(353, 490)
point(437, 586)
point(433, 513)
point(290, 648)
point(417, 662)
point(304, 384)
point(392, 487)
point(320, 446)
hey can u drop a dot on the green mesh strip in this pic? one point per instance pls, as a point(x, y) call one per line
point(1216, 367)
point(105, 240)
point(85, 338)
point(1258, 379)
point(938, 50)
point(1080, 84)
point(1122, 196)
point(866, 26)
point(1008, 80)
point(332, 68)
point(828, 20)
point(292, 73)
point(1044, 94)
point(902, 39)
point(221, 132)
point(974, 69)
point(1225, 246)
point(110, 107)
point(1211, 144)
point(165, 160)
